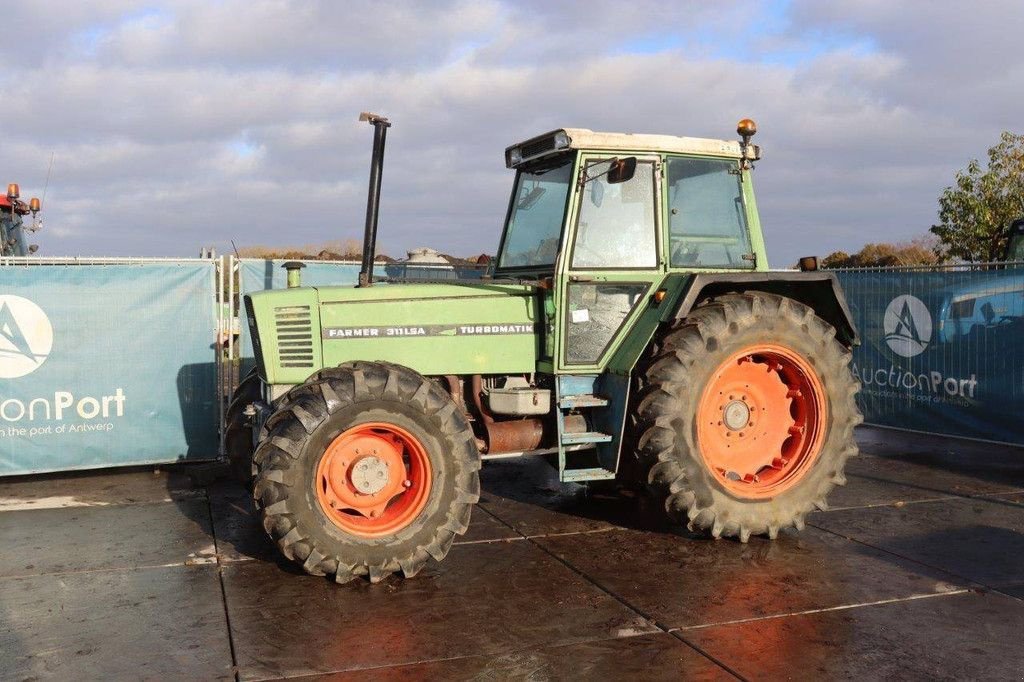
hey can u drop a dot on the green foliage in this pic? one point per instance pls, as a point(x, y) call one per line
point(920, 251)
point(975, 212)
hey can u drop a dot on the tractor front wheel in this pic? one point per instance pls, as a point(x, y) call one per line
point(746, 418)
point(367, 469)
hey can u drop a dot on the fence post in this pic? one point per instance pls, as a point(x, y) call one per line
point(219, 268)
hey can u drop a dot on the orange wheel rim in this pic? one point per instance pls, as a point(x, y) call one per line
point(373, 480)
point(761, 421)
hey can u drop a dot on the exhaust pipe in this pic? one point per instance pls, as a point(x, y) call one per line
point(380, 131)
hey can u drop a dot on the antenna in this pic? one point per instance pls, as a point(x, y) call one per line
point(49, 170)
point(237, 255)
point(37, 224)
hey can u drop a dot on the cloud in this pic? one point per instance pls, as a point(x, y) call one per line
point(192, 123)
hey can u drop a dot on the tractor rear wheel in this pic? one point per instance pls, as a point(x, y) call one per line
point(238, 436)
point(367, 469)
point(746, 416)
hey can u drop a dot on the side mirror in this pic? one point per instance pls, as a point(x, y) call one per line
point(622, 170)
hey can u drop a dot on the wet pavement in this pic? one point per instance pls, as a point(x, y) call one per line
point(916, 571)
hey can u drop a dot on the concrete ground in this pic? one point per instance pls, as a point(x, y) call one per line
point(917, 571)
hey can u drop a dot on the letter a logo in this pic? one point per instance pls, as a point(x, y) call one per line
point(26, 337)
point(908, 326)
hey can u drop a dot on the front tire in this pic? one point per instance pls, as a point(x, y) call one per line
point(746, 416)
point(368, 469)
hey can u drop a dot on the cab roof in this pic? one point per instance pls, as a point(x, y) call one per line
point(583, 138)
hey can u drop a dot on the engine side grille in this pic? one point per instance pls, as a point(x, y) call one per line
point(294, 336)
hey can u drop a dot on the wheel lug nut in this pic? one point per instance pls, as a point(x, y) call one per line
point(407, 483)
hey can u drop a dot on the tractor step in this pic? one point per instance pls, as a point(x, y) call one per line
point(594, 474)
point(569, 402)
point(585, 437)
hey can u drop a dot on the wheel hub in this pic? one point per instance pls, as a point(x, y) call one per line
point(373, 479)
point(761, 420)
point(369, 475)
point(736, 415)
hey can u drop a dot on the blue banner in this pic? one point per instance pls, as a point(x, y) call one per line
point(107, 365)
point(942, 350)
point(257, 274)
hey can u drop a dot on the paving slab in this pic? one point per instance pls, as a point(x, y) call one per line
point(653, 657)
point(485, 599)
point(95, 488)
point(995, 461)
point(952, 637)
point(240, 536)
point(875, 481)
point(526, 495)
point(685, 580)
point(979, 539)
point(158, 624)
point(97, 538)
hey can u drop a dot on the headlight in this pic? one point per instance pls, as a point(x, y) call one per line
point(515, 156)
point(561, 140)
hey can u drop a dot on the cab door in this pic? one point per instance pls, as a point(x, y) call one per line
point(611, 263)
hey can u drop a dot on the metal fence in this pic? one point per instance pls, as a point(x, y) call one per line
point(942, 348)
point(115, 361)
point(108, 362)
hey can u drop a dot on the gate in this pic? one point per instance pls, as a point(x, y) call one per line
point(108, 362)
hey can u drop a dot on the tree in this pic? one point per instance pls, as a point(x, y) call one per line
point(836, 259)
point(975, 213)
point(920, 251)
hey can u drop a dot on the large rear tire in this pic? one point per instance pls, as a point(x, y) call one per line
point(238, 435)
point(367, 469)
point(746, 414)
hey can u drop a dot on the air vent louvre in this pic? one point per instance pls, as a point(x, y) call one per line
point(294, 326)
point(540, 146)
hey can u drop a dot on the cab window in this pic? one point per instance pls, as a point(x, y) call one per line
point(536, 216)
point(616, 226)
point(707, 218)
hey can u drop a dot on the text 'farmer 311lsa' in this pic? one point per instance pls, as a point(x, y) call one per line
point(631, 330)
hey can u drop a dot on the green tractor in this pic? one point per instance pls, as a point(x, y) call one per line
point(631, 330)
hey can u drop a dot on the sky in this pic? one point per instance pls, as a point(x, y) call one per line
point(178, 125)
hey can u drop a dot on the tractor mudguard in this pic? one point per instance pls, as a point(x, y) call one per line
point(818, 290)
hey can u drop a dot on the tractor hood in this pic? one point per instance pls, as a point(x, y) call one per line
point(435, 329)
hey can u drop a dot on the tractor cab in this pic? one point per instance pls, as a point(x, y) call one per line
point(13, 231)
point(603, 219)
point(609, 201)
point(1015, 243)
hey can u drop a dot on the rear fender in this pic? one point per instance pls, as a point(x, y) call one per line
point(818, 290)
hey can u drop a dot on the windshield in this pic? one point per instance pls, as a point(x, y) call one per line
point(538, 211)
point(1015, 251)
